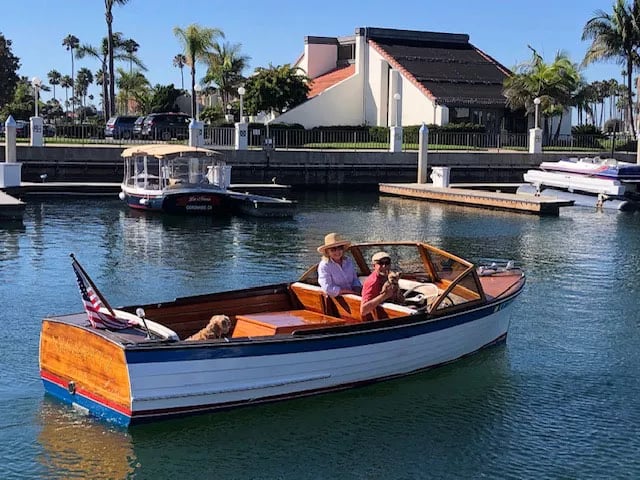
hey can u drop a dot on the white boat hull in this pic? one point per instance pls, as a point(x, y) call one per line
point(198, 384)
point(575, 182)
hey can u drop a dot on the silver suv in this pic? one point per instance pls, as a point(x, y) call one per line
point(120, 127)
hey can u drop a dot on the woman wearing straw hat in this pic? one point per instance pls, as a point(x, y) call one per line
point(337, 273)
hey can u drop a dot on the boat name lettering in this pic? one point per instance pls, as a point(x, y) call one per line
point(199, 198)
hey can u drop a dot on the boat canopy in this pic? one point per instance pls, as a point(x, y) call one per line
point(164, 150)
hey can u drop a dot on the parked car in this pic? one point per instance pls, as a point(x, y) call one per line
point(165, 126)
point(48, 130)
point(137, 127)
point(22, 129)
point(120, 127)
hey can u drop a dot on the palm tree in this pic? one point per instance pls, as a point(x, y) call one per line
point(83, 80)
point(582, 99)
point(130, 46)
point(226, 64)
point(109, 18)
point(196, 41)
point(616, 36)
point(555, 84)
point(101, 54)
point(101, 80)
point(54, 77)
point(134, 85)
point(180, 61)
point(66, 82)
point(71, 42)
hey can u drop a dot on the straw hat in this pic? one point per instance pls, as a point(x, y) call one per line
point(333, 240)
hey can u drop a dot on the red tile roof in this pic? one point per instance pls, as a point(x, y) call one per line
point(321, 83)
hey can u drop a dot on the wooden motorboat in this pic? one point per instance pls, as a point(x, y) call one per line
point(189, 180)
point(146, 362)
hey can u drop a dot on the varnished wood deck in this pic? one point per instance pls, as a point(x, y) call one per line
point(477, 198)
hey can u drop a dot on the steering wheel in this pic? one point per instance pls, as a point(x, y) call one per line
point(419, 300)
point(408, 293)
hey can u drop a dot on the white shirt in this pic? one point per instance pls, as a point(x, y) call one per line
point(334, 277)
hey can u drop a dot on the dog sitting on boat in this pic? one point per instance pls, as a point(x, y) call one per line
point(218, 327)
point(393, 283)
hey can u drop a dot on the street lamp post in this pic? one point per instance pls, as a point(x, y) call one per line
point(198, 89)
point(536, 102)
point(241, 92)
point(36, 83)
point(396, 97)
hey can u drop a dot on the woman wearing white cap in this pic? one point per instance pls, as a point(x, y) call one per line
point(337, 273)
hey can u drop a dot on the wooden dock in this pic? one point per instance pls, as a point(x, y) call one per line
point(538, 205)
point(66, 188)
point(10, 208)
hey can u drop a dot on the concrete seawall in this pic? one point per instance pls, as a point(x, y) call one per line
point(309, 168)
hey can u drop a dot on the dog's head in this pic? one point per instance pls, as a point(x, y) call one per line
point(393, 277)
point(219, 325)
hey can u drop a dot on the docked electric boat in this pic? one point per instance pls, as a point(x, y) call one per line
point(167, 358)
point(588, 181)
point(189, 180)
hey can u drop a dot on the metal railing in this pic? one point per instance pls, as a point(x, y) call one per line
point(348, 139)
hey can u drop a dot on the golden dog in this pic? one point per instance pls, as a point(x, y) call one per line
point(218, 327)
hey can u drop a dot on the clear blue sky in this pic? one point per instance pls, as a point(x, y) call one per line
point(273, 31)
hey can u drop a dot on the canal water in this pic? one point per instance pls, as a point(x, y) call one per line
point(558, 400)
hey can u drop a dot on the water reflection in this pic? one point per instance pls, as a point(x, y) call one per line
point(434, 411)
point(10, 234)
point(75, 446)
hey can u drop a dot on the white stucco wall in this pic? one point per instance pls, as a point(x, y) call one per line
point(552, 123)
point(319, 59)
point(376, 90)
point(338, 105)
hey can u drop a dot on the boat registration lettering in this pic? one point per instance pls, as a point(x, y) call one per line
point(199, 207)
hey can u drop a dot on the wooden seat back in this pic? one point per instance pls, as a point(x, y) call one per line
point(310, 297)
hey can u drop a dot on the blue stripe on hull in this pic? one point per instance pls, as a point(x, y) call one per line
point(91, 407)
point(300, 344)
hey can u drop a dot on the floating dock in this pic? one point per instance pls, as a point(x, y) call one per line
point(10, 208)
point(538, 205)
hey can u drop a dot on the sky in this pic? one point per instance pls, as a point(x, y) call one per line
point(273, 32)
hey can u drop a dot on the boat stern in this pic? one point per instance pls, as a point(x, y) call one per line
point(83, 367)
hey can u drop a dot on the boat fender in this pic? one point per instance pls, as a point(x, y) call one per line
point(121, 196)
point(71, 387)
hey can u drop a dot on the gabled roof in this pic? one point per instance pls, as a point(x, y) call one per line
point(446, 67)
point(329, 79)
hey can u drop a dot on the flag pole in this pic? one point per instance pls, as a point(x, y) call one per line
point(93, 285)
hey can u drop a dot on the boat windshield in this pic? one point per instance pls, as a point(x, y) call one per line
point(152, 173)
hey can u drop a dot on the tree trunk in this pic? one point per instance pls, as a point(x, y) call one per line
point(630, 94)
point(112, 90)
point(193, 88)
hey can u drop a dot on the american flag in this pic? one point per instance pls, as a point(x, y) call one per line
point(100, 316)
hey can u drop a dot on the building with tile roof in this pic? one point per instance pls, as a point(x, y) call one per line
point(383, 76)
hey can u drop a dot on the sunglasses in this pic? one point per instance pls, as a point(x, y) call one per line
point(333, 249)
point(384, 262)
